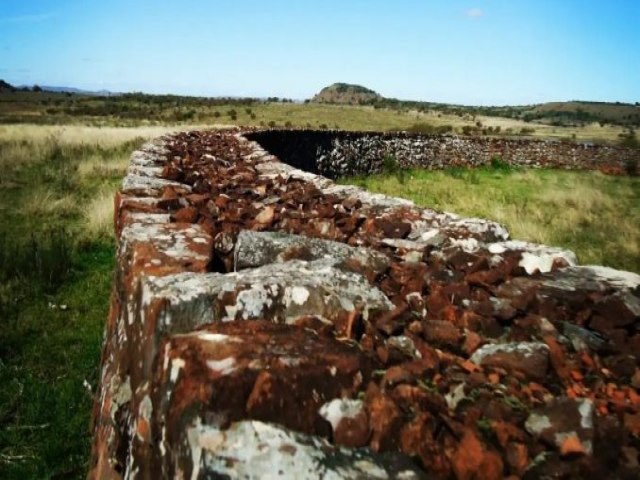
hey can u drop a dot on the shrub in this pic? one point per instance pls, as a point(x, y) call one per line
point(631, 166)
point(391, 166)
point(44, 261)
point(497, 163)
point(288, 124)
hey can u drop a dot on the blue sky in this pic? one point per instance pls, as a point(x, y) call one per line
point(490, 52)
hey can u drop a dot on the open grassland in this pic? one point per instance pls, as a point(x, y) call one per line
point(56, 259)
point(135, 110)
point(596, 216)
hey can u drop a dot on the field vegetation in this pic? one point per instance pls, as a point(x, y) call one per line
point(56, 259)
point(134, 110)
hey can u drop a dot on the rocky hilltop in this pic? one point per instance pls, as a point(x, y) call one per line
point(345, 93)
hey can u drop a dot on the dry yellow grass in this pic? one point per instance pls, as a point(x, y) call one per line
point(79, 134)
point(98, 214)
point(100, 166)
point(47, 202)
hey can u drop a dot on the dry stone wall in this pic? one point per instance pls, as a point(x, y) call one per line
point(335, 153)
point(266, 322)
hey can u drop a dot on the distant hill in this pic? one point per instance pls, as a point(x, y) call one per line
point(585, 112)
point(6, 87)
point(345, 93)
point(79, 91)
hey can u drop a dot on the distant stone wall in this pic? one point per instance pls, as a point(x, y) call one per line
point(268, 323)
point(335, 154)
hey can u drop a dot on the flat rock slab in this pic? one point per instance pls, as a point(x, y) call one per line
point(256, 450)
point(282, 292)
point(255, 249)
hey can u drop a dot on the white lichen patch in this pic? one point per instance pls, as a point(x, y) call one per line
point(145, 409)
point(526, 349)
point(251, 303)
point(586, 413)
point(468, 245)
point(455, 396)
point(149, 186)
point(338, 408)
point(297, 295)
point(121, 393)
point(617, 278)
point(481, 227)
point(224, 366)
point(537, 423)
point(177, 364)
point(253, 449)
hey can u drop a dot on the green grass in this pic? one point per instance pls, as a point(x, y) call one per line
point(134, 110)
point(56, 260)
point(595, 215)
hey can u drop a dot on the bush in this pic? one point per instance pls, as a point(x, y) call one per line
point(631, 166)
point(428, 129)
point(391, 166)
point(497, 163)
point(44, 261)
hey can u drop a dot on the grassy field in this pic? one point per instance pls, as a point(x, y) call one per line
point(144, 110)
point(56, 259)
point(596, 216)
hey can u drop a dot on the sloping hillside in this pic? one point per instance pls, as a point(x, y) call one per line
point(6, 87)
point(345, 93)
point(562, 112)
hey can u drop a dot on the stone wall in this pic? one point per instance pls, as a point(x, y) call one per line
point(267, 322)
point(335, 153)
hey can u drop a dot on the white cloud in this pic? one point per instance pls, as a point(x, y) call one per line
point(475, 13)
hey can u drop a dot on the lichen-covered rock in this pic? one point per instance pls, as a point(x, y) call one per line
point(255, 249)
point(529, 358)
point(247, 370)
point(566, 424)
point(254, 450)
